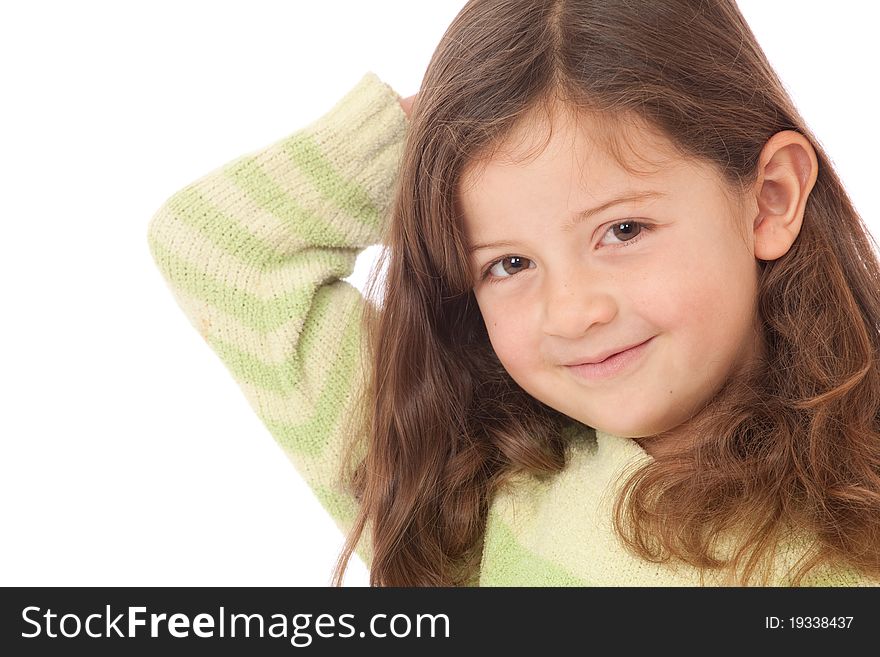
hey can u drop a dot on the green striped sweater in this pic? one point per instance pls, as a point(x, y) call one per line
point(254, 253)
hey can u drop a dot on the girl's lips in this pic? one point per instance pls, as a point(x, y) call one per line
point(612, 365)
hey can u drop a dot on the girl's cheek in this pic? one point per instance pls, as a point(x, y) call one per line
point(502, 342)
point(496, 337)
point(503, 337)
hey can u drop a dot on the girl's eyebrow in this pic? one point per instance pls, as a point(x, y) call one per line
point(488, 245)
point(583, 216)
point(627, 196)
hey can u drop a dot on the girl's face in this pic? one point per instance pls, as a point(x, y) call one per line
point(674, 267)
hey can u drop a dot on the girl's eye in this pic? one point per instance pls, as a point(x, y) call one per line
point(629, 231)
point(501, 269)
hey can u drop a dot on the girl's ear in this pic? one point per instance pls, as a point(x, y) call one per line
point(788, 168)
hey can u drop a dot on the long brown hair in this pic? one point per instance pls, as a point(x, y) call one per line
point(792, 441)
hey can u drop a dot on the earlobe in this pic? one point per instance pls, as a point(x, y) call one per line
point(788, 169)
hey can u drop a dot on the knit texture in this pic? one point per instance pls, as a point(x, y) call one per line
point(254, 253)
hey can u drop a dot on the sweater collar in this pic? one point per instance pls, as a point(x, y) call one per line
point(618, 446)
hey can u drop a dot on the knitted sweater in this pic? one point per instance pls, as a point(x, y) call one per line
point(254, 253)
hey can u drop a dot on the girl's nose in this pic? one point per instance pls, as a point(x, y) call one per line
point(571, 307)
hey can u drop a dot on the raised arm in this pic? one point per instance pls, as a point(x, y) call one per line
point(254, 253)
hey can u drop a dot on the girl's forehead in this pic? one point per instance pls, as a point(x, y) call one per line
point(578, 168)
point(567, 168)
point(598, 147)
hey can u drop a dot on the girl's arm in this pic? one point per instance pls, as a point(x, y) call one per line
point(254, 253)
point(407, 103)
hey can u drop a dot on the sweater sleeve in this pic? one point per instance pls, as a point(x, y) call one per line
point(254, 253)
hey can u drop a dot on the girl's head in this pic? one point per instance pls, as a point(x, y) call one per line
point(577, 256)
point(736, 251)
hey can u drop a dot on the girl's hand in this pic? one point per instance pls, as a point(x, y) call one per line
point(407, 103)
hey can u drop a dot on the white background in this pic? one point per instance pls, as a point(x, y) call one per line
point(129, 455)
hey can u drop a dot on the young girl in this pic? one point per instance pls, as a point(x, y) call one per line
point(628, 332)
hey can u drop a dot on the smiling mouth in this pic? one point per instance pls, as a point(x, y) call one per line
point(612, 365)
point(612, 355)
